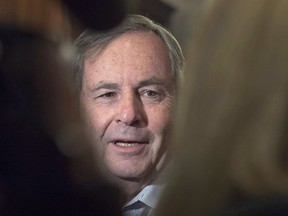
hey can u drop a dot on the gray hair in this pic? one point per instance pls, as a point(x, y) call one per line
point(91, 43)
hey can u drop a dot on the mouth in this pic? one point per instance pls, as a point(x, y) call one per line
point(126, 144)
point(129, 146)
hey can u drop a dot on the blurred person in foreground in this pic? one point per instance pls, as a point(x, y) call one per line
point(127, 80)
point(232, 119)
point(42, 142)
point(46, 167)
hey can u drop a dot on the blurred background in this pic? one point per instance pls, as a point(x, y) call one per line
point(54, 17)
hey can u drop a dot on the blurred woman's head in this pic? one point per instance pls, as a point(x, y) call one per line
point(232, 119)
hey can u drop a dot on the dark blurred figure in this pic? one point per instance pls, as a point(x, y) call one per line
point(45, 163)
point(97, 14)
point(38, 111)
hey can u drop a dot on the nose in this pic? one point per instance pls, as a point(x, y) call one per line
point(131, 111)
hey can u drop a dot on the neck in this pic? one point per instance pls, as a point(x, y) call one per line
point(129, 187)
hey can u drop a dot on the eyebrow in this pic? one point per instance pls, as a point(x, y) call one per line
point(104, 85)
point(151, 81)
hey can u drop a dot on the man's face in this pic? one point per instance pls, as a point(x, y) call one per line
point(127, 99)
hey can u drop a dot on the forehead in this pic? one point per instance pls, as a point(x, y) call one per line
point(138, 40)
point(142, 51)
point(134, 40)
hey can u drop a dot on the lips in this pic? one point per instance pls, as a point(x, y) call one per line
point(129, 146)
point(128, 143)
point(125, 144)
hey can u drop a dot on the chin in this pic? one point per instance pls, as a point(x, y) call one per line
point(131, 174)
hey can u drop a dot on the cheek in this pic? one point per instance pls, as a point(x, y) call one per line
point(160, 126)
point(98, 121)
point(159, 122)
point(95, 120)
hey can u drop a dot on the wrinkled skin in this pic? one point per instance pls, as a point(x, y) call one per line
point(127, 99)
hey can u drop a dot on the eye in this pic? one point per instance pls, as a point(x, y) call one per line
point(108, 95)
point(151, 93)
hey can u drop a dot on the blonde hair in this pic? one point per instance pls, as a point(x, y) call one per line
point(232, 117)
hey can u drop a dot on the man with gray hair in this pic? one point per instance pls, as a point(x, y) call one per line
point(127, 81)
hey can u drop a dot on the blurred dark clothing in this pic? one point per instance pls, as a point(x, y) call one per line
point(35, 177)
point(271, 206)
